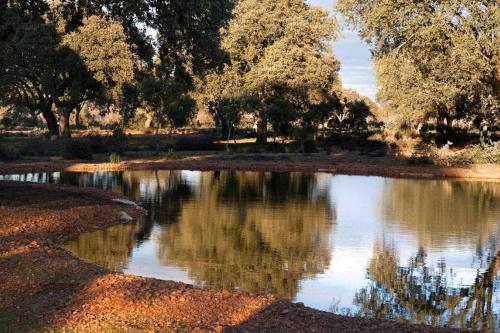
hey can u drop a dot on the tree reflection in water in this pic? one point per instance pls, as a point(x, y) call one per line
point(419, 293)
point(437, 213)
point(110, 248)
point(258, 232)
point(443, 212)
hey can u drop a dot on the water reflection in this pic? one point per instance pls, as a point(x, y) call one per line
point(258, 232)
point(429, 295)
point(266, 243)
point(421, 251)
point(440, 213)
point(111, 248)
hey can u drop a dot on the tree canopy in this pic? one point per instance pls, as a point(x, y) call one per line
point(270, 62)
point(433, 58)
point(58, 54)
point(279, 55)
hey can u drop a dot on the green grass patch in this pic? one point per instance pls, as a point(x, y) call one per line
point(10, 322)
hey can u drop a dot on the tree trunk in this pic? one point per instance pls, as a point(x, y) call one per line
point(51, 120)
point(78, 123)
point(229, 126)
point(64, 116)
point(262, 128)
point(149, 121)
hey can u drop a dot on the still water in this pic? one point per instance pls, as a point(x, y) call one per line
point(422, 251)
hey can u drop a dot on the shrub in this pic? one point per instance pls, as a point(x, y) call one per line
point(474, 154)
point(8, 153)
point(195, 143)
point(42, 147)
point(115, 158)
point(487, 154)
point(117, 144)
point(310, 147)
point(77, 150)
point(252, 149)
point(97, 144)
point(420, 160)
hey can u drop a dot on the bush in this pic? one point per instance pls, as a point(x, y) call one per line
point(488, 154)
point(310, 147)
point(420, 160)
point(117, 131)
point(474, 154)
point(367, 143)
point(195, 143)
point(77, 150)
point(42, 147)
point(108, 144)
point(97, 144)
point(252, 149)
point(115, 158)
point(117, 144)
point(8, 153)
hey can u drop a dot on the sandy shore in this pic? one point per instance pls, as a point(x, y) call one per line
point(45, 288)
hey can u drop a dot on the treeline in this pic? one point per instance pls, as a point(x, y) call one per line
point(57, 56)
point(270, 61)
point(437, 62)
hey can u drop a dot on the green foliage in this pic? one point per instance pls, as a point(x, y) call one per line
point(117, 143)
point(19, 117)
point(103, 46)
point(281, 115)
point(108, 144)
point(115, 158)
point(486, 154)
point(219, 94)
point(476, 154)
point(309, 146)
point(97, 144)
point(59, 55)
point(129, 103)
point(433, 58)
point(170, 106)
point(367, 143)
point(11, 322)
point(279, 53)
point(353, 111)
point(48, 74)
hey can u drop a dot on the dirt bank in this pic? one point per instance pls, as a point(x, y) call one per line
point(44, 288)
point(340, 163)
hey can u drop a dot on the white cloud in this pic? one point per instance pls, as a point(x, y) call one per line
point(357, 70)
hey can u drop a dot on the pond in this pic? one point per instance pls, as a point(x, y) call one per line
point(422, 251)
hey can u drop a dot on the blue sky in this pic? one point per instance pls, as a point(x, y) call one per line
point(357, 69)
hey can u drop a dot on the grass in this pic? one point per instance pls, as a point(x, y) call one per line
point(15, 142)
point(10, 322)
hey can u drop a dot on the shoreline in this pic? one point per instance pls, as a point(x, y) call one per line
point(265, 163)
point(45, 286)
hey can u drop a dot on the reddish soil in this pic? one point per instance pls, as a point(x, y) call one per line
point(44, 288)
point(340, 163)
